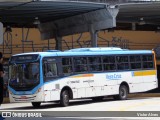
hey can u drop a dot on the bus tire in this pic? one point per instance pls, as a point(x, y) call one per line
point(123, 93)
point(64, 100)
point(36, 104)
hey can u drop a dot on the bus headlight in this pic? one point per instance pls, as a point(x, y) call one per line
point(39, 90)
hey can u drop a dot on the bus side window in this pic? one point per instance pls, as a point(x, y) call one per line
point(95, 63)
point(80, 64)
point(122, 62)
point(109, 63)
point(147, 61)
point(135, 62)
point(67, 66)
point(49, 70)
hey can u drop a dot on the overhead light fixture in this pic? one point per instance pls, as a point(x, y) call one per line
point(8, 29)
point(157, 30)
point(36, 21)
point(141, 21)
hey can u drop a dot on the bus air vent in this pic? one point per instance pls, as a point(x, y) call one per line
point(98, 49)
point(53, 51)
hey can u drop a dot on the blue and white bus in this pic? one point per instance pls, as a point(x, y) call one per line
point(54, 75)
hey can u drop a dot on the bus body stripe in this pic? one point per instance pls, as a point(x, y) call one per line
point(84, 75)
point(145, 73)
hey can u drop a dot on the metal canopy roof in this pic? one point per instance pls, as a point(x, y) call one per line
point(24, 13)
point(144, 14)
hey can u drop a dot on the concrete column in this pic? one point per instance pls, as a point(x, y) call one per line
point(1, 33)
point(93, 34)
point(58, 42)
point(133, 26)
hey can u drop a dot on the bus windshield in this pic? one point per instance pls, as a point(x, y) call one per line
point(24, 76)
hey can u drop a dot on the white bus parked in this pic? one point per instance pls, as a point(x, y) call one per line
point(39, 77)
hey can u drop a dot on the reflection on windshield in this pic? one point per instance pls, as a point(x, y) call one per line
point(24, 74)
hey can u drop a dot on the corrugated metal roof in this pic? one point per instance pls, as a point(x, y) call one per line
point(136, 10)
point(149, 12)
point(24, 13)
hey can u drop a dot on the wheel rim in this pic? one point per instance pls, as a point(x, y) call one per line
point(123, 93)
point(66, 99)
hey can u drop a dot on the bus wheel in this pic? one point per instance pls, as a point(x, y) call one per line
point(36, 104)
point(64, 100)
point(123, 93)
